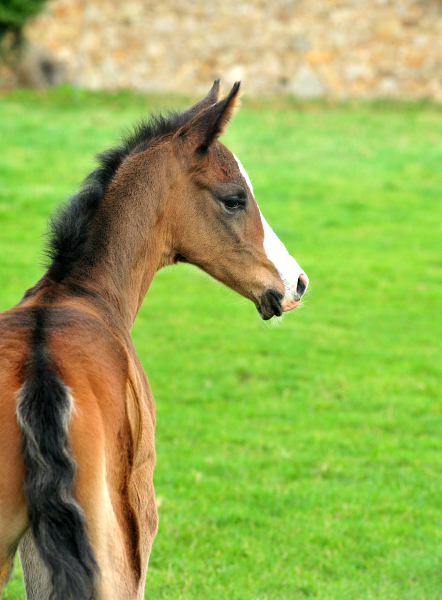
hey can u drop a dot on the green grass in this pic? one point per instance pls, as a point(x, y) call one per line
point(302, 460)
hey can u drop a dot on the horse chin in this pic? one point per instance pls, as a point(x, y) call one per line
point(270, 304)
point(286, 306)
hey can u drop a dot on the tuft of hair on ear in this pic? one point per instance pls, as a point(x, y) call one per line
point(232, 104)
point(220, 89)
point(219, 115)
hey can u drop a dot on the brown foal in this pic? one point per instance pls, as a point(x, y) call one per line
point(77, 415)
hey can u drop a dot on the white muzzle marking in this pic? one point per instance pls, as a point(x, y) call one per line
point(287, 267)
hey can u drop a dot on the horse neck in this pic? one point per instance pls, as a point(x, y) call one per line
point(129, 236)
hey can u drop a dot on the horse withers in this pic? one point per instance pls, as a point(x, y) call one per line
point(77, 415)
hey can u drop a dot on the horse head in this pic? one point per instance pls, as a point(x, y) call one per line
point(217, 224)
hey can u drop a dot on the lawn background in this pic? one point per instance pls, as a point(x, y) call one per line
point(301, 459)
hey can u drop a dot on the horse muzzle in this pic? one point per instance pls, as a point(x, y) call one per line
point(272, 303)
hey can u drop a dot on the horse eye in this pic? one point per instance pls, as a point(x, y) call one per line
point(233, 203)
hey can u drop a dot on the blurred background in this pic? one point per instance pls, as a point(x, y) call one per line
point(300, 458)
point(338, 48)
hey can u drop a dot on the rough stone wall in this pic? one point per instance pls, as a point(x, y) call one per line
point(340, 48)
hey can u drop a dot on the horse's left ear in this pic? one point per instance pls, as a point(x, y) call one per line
point(211, 98)
point(212, 122)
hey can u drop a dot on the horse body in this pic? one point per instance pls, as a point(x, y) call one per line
point(111, 432)
point(77, 415)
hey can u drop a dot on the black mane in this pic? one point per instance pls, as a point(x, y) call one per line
point(69, 227)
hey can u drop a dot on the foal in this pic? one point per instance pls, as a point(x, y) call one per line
point(76, 412)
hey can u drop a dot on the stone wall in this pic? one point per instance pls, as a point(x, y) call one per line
point(339, 48)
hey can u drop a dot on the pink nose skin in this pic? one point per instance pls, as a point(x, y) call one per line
point(301, 286)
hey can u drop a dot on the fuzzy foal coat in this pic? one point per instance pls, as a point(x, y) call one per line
point(77, 415)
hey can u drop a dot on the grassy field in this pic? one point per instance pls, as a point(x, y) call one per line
point(301, 459)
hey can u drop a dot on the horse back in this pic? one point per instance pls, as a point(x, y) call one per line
point(110, 420)
point(91, 361)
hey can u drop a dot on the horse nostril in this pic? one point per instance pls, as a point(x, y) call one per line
point(301, 285)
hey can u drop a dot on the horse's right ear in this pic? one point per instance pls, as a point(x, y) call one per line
point(201, 131)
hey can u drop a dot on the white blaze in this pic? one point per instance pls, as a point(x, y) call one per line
point(286, 265)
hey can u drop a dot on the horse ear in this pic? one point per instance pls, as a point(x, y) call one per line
point(212, 122)
point(211, 98)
